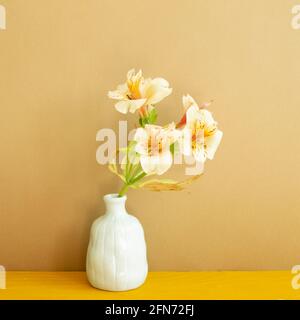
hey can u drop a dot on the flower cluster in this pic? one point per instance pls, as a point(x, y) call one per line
point(153, 147)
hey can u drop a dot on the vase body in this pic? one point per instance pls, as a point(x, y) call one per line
point(116, 257)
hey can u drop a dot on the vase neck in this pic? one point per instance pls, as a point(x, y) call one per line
point(114, 204)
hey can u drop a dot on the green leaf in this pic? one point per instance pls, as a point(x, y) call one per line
point(143, 122)
point(174, 148)
point(152, 117)
point(149, 119)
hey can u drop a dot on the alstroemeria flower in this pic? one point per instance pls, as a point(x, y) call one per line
point(138, 92)
point(188, 102)
point(153, 146)
point(201, 137)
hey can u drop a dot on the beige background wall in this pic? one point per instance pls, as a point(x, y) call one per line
point(58, 59)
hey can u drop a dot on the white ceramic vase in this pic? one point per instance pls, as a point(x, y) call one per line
point(116, 257)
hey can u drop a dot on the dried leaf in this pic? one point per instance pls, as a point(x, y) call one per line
point(167, 185)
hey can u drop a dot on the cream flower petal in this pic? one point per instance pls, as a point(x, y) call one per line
point(158, 94)
point(164, 163)
point(200, 155)
point(193, 114)
point(175, 135)
point(171, 133)
point(156, 164)
point(148, 164)
point(212, 143)
point(136, 104)
point(140, 135)
point(208, 118)
point(188, 101)
point(160, 82)
point(123, 106)
point(155, 90)
point(126, 106)
point(141, 148)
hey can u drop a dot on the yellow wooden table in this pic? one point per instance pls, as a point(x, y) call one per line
point(159, 285)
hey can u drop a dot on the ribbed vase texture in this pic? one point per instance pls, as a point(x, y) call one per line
point(116, 257)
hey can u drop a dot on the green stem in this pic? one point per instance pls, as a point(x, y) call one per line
point(123, 190)
point(125, 187)
point(128, 167)
point(136, 170)
point(139, 177)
